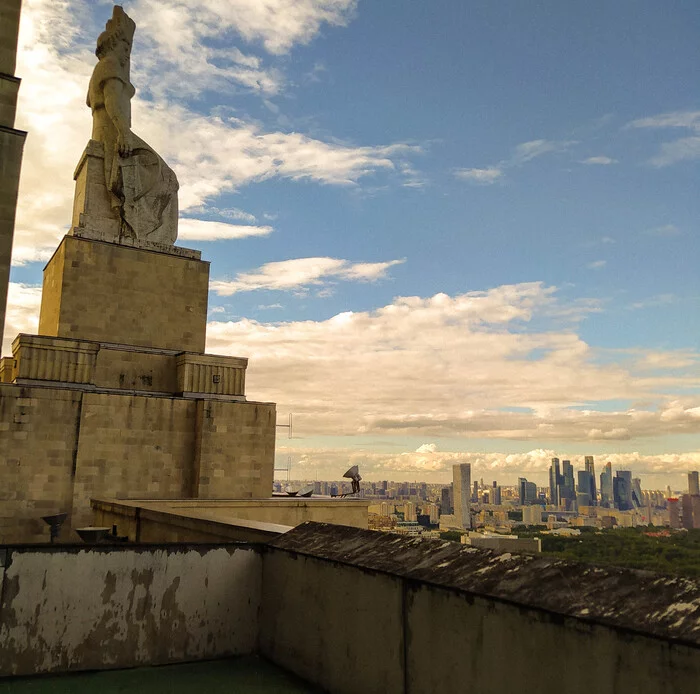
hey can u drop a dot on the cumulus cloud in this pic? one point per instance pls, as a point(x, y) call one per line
point(597, 264)
point(211, 154)
point(470, 366)
point(23, 302)
point(203, 230)
point(277, 25)
point(301, 273)
point(656, 471)
point(682, 149)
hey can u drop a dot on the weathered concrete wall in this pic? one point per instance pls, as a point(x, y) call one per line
point(97, 608)
point(357, 611)
point(452, 639)
point(334, 625)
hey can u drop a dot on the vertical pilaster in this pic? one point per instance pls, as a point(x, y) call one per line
point(11, 142)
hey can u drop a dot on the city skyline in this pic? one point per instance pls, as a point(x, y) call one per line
point(421, 277)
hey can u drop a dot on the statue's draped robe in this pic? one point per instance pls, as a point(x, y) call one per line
point(142, 187)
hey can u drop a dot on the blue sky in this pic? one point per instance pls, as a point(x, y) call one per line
point(442, 232)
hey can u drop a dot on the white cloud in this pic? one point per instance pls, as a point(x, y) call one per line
point(655, 301)
point(436, 466)
point(528, 151)
point(23, 302)
point(601, 161)
point(483, 176)
point(301, 273)
point(683, 149)
point(226, 213)
point(523, 153)
point(462, 366)
point(188, 45)
point(597, 264)
point(277, 24)
point(675, 119)
point(203, 230)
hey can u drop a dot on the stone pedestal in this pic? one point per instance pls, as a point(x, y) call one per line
point(114, 293)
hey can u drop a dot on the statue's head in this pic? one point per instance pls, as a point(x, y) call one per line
point(118, 34)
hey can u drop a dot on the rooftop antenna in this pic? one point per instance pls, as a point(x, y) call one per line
point(55, 522)
point(287, 468)
point(287, 426)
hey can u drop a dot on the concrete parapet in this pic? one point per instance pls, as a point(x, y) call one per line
point(190, 520)
point(459, 613)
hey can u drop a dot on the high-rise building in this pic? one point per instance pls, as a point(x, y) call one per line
point(674, 515)
point(475, 492)
point(554, 483)
point(521, 490)
point(446, 502)
point(690, 510)
point(532, 515)
point(622, 490)
point(637, 499)
point(583, 496)
point(527, 492)
point(568, 488)
point(461, 482)
point(590, 468)
point(693, 483)
point(410, 512)
point(606, 486)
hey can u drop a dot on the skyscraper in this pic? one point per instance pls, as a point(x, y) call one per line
point(674, 516)
point(461, 482)
point(622, 490)
point(606, 486)
point(554, 483)
point(693, 483)
point(527, 492)
point(590, 468)
point(446, 504)
point(568, 488)
point(584, 488)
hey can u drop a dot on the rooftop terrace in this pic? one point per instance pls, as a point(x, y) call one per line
point(349, 610)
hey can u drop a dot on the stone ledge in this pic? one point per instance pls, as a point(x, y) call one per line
point(81, 232)
point(644, 602)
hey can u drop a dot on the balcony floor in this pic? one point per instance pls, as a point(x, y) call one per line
point(244, 674)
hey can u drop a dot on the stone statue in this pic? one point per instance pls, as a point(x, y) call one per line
point(141, 187)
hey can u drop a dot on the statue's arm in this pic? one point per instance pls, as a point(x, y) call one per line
point(113, 93)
